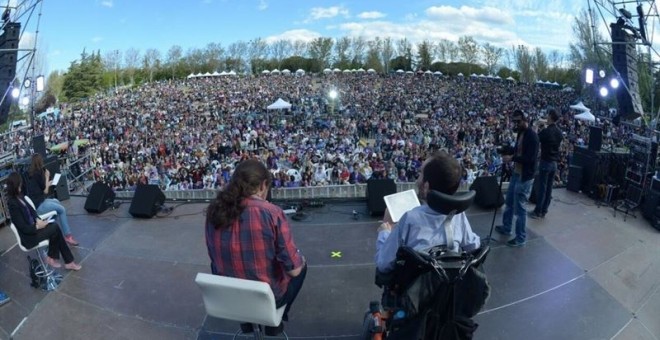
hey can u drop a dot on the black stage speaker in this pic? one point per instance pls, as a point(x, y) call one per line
point(148, 199)
point(39, 145)
point(624, 59)
point(62, 189)
point(100, 198)
point(574, 178)
point(488, 192)
point(595, 138)
point(376, 190)
point(8, 58)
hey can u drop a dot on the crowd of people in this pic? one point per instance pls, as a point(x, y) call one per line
point(190, 134)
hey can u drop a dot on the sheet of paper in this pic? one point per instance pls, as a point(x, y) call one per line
point(399, 203)
point(56, 179)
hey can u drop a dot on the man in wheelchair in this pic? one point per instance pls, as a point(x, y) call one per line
point(428, 263)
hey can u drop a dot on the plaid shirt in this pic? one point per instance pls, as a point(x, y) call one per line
point(257, 246)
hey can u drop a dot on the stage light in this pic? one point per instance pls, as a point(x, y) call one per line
point(15, 92)
point(25, 101)
point(604, 92)
point(332, 94)
point(614, 83)
point(589, 76)
point(27, 83)
point(601, 73)
point(40, 83)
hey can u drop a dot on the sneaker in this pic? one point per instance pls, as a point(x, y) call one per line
point(275, 331)
point(515, 243)
point(4, 298)
point(70, 240)
point(533, 215)
point(53, 262)
point(500, 229)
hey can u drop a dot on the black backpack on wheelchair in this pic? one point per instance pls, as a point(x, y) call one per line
point(431, 294)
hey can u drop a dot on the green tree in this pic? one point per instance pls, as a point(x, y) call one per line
point(469, 49)
point(320, 50)
point(492, 55)
point(424, 55)
point(540, 64)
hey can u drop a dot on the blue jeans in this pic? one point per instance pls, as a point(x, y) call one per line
point(50, 204)
point(546, 177)
point(516, 197)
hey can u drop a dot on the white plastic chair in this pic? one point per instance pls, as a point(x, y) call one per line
point(52, 279)
point(241, 300)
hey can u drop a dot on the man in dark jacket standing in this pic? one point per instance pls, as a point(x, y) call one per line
point(522, 179)
point(550, 139)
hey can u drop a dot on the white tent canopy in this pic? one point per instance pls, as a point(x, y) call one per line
point(286, 71)
point(371, 70)
point(510, 78)
point(580, 107)
point(586, 116)
point(301, 71)
point(279, 104)
point(437, 73)
point(327, 70)
point(399, 71)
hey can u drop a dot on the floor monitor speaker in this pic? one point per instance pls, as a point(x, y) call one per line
point(100, 198)
point(148, 199)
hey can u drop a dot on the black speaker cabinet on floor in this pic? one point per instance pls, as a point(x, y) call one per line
point(100, 198)
point(146, 201)
point(574, 178)
point(376, 190)
point(488, 192)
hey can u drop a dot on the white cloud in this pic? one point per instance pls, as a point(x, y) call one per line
point(484, 14)
point(318, 13)
point(107, 3)
point(27, 40)
point(371, 15)
point(263, 5)
point(293, 35)
point(97, 39)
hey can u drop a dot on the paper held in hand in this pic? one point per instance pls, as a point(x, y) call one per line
point(399, 203)
point(56, 179)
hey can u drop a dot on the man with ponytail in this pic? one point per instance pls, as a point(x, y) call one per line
point(249, 238)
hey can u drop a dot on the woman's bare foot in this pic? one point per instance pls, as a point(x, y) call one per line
point(72, 266)
point(53, 262)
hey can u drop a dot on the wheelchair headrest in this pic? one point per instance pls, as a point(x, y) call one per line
point(445, 204)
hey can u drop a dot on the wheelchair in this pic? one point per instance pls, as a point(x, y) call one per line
point(433, 293)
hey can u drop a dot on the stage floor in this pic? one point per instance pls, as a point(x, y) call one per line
point(584, 274)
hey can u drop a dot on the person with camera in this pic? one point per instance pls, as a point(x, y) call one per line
point(550, 139)
point(525, 153)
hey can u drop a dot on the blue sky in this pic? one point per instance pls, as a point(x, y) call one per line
point(68, 26)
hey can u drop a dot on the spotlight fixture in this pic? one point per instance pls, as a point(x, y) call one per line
point(589, 76)
point(601, 73)
point(614, 83)
point(604, 92)
point(15, 92)
point(25, 101)
point(27, 83)
point(333, 94)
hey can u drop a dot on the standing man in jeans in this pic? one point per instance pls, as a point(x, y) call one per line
point(522, 179)
point(550, 139)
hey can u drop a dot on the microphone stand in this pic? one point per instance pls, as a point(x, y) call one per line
point(503, 172)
